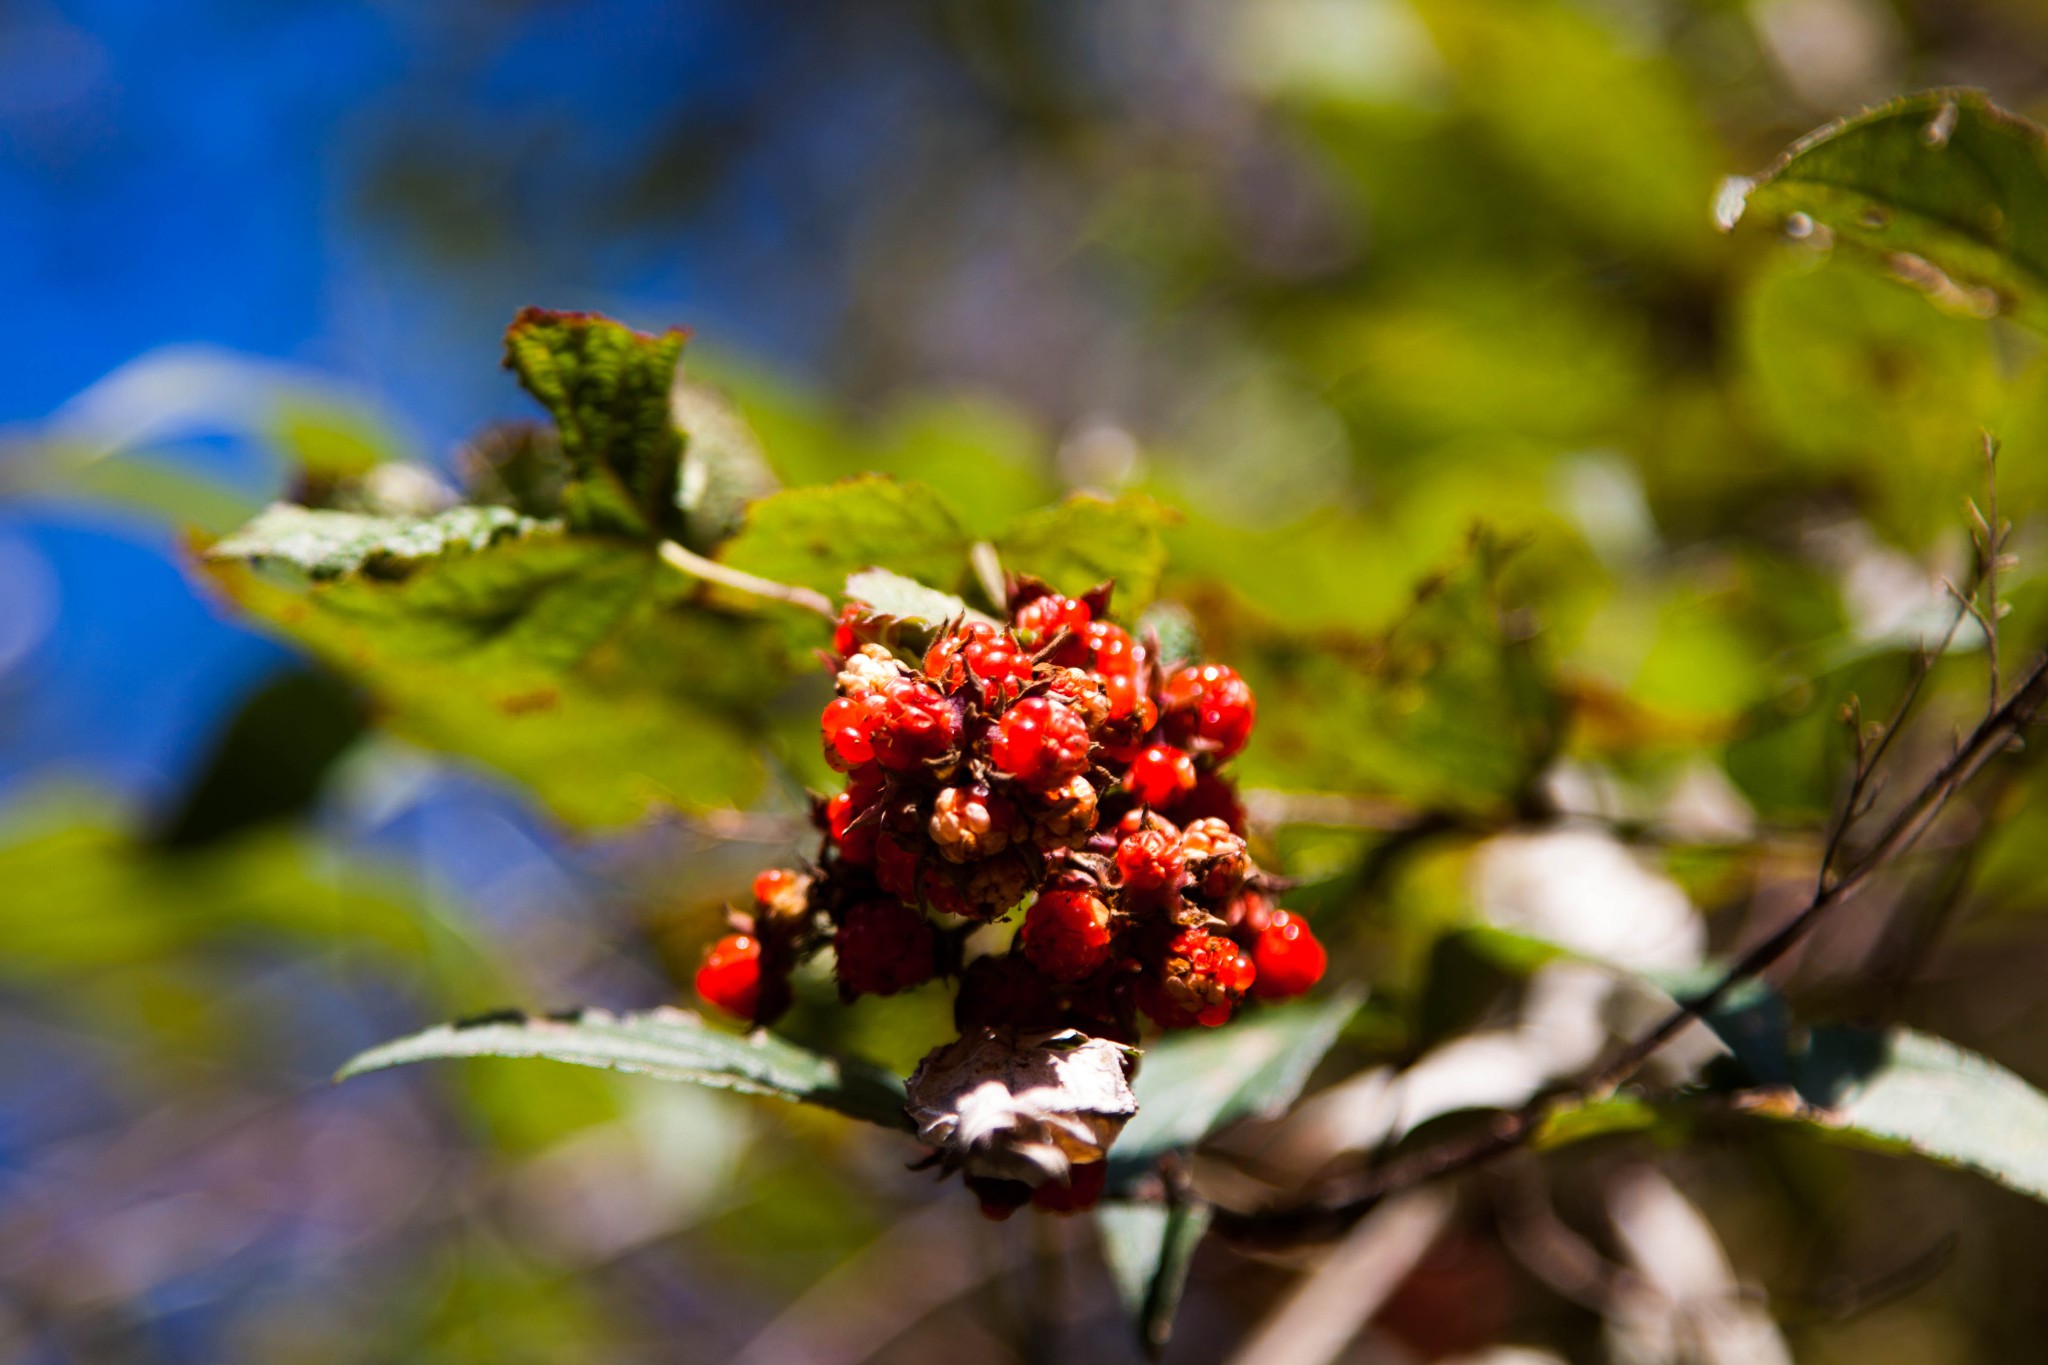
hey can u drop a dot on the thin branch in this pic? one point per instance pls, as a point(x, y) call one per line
point(711, 571)
point(1345, 1201)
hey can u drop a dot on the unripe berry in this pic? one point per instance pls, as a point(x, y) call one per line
point(1208, 708)
point(1066, 934)
point(1065, 815)
point(782, 895)
point(1217, 860)
point(1200, 982)
point(730, 977)
point(1150, 862)
point(1288, 957)
point(1040, 743)
point(1159, 774)
point(968, 824)
point(868, 671)
point(883, 946)
point(912, 725)
point(847, 730)
point(993, 886)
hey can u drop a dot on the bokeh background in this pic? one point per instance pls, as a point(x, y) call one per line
point(1336, 278)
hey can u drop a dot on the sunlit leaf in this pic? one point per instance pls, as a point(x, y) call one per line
point(1949, 189)
point(325, 544)
point(724, 468)
point(669, 1044)
point(1087, 540)
point(893, 597)
point(817, 536)
point(607, 387)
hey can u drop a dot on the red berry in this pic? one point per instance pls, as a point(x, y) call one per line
point(1159, 774)
point(848, 726)
point(731, 975)
point(1200, 982)
point(770, 884)
point(1040, 742)
point(1207, 707)
point(896, 863)
point(884, 946)
point(854, 629)
point(1217, 859)
point(1288, 958)
point(1038, 620)
point(1079, 1192)
point(1066, 934)
point(985, 653)
point(1150, 861)
point(1213, 798)
point(1111, 650)
point(912, 724)
point(856, 843)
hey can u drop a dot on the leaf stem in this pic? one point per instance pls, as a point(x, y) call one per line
point(711, 571)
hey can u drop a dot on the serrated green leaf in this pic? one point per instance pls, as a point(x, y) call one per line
point(817, 536)
point(325, 544)
point(1149, 1248)
point(724, 468)
point(893, 597)
point(1087, 540)
point(668, 1044)
point(1193, 1083)
point(1944, 182)
point(557, 660)
point(607, 387)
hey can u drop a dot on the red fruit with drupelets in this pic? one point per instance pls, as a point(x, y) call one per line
point(730, 977)
point(1214, 798)
point(884, 946)
point(855, 628)
point(1200, 982)
point(848, 731)
point(912, 724)
point(1217, 859)
point(1111, 650)
point(1066, 934)
point(782, 895)
point(1149, 862)
point(1159, 774)
point(1038, 620)
point(984, 653)
point(854, 836)
point(1040, 743)
point(1288, 957)
point(1208, 708)
point(1079, 1192)
point(896, 863)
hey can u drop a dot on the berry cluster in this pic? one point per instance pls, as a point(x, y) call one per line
point(1050, 761)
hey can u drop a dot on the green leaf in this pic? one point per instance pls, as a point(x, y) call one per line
point(607, 387)
point(1193, 1083)
point(724, 468)
point(562, 661)
point(670, 1044)
point(323, 544)
point(898, 599)
point(1150, 1248)
point(1950, 189)
point(817, 536)
point(1087, 540)
point(1903, 1091)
